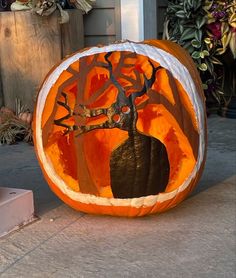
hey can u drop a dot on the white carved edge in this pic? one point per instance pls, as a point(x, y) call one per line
point(166, 60)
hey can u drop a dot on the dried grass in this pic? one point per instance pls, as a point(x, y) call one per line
point(13, 130)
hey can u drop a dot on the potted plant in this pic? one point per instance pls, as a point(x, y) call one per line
point(47, 7)
point(221, 37)
point(206, 29)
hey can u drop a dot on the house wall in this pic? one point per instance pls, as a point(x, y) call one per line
point(132, 20)
point(112, 20)
point(153, 18)
point(102, 23)
point(160, 15)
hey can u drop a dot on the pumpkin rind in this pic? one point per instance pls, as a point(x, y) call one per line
point(181, 139)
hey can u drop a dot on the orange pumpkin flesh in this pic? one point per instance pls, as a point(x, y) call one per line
point(82, 161)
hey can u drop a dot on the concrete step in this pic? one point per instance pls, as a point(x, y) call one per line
point(16, 209)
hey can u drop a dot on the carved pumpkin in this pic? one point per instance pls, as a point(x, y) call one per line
point(120, 129)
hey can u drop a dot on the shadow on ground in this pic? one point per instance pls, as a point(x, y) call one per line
point(221, 153)
point(195, 239)
point(19, 167)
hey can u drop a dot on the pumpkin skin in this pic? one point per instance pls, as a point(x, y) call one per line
point(121, 129)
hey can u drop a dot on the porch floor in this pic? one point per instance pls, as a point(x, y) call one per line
point(195, 239)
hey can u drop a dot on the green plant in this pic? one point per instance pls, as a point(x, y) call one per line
point(221, 26)
point(220, 38)
point(206, 29)
point(185, 19)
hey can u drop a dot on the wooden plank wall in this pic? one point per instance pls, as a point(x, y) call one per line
point(30, 46)
point(154, 14)
point(161, 10)
point(1, 89)
point(102, 24)
point(150, 19)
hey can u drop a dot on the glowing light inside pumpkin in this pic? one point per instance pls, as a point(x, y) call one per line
point(80, 184)
point(84, 96)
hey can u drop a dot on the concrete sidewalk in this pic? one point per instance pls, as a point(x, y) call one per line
point(195, 239)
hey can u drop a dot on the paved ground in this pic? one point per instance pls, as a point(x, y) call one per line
point(195, 239)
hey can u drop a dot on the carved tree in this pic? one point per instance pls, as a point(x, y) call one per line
point(133, 157)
